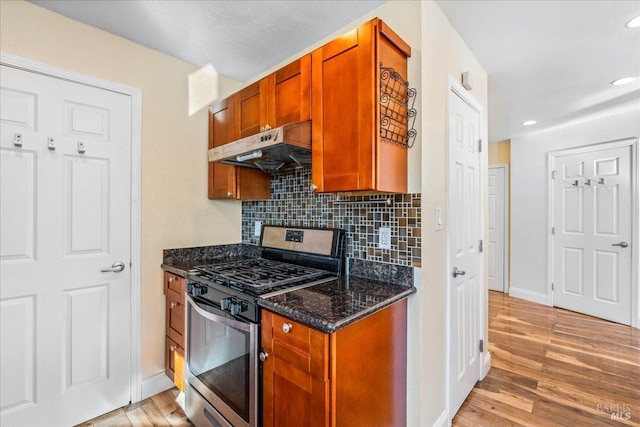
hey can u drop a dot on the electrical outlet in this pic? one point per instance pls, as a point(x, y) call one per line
point(384, 238)
point(257, 229)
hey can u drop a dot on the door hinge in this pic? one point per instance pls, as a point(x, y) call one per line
point(481, 246)
point(554, 174)
point(481, 346)
point(553, 230)
point(552, 287)
point(480, 146)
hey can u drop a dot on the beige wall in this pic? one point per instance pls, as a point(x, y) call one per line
point(175, 208)
point(500, 152)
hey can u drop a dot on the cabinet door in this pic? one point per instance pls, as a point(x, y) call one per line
point(296, 386)
point(251, 108)
point(175, 317)
point(226, 181)
point(221, 131)
point(174, 362)
point(292, 93)
point(343, 113)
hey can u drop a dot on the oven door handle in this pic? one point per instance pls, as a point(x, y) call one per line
point(218, 318)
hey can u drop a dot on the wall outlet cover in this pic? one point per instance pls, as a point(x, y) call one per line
point(384, 238)
point(258, 228)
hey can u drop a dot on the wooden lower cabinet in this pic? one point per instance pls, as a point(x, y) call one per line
point(174, 288)
point(356, 376)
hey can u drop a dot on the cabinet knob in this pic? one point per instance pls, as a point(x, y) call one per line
point(287, 327)
point(173, 348)
point(263, 356)
point(313, 187)
point(174, 304)
point(230, 194)
point(267, 127)
point(171, 279)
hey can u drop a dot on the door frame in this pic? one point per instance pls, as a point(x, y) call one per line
point(631, 142)
point(507, 258)
point(454, 88)
point(29, 65)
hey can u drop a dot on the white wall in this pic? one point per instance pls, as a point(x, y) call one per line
point(529, 187)
point(175, 208)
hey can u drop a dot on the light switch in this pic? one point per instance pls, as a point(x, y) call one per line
point(257, 229)
point(438, 218)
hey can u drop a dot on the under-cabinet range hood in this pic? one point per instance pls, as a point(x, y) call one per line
point(271, 150)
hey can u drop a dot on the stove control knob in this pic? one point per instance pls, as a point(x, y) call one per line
point(238, 307)
point(198, 290)
point(225, 303)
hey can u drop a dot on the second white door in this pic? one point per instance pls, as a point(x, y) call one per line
point(497, 239)
point(464, 235)
point(592, 250)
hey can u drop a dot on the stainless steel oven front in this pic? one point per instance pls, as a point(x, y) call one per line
point(222, 367)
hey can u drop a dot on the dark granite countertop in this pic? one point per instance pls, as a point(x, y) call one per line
point(333, 305)
point(180, 261)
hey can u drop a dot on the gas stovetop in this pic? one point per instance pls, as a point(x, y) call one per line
point(291, 258)
point(258, 276)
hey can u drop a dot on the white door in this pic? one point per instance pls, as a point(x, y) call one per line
point(592, 233)
point(464, 234)
point(496, 241)
point(65, 216)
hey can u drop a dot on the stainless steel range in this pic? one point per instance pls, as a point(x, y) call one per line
point(223, 316)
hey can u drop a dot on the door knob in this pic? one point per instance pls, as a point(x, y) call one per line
point(117, 267)
point(456, 272)
point(621, 244)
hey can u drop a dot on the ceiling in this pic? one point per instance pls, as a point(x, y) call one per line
point(550, 61)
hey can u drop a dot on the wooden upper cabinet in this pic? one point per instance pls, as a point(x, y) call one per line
point(226, 181)
point(278, 99)
point(291, 100)
point(348, 153)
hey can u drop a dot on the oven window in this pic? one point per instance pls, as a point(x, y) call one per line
point(219, 357)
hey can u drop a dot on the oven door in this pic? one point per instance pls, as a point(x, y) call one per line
point(222, 365)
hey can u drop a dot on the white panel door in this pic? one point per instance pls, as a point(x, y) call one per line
point(464, 233)
point(65, 166)
point(496, 240)
point(592, 236)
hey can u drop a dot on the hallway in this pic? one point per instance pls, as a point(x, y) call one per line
point(553, 367)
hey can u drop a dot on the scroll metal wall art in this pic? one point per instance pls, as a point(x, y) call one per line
point(397, 112)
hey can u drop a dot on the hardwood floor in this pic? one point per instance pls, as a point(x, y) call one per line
point(553, 367)
point(159, 410)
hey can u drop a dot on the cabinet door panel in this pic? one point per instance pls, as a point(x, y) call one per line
point(251, 112)
point(221, 131)
point(175, 317)
point(292, 92)
point(343, 124)
point(174, 362)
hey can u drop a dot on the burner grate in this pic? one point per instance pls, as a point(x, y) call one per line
point(258, 273)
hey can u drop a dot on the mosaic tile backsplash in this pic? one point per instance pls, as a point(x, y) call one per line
point(292, 203)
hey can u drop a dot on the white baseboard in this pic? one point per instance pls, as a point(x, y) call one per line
point(155, 384)
point(486, 365)
point(529, 295)
point(443, 420)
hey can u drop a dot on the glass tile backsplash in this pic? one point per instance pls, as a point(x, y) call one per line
point(293, 203)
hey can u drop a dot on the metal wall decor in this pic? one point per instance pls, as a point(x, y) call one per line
point(397, 112)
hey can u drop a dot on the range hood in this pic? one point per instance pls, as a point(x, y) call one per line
point(271, 150)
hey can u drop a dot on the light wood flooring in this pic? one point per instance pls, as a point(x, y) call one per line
point(550, 367)
point(159, 410)
point(553, 367)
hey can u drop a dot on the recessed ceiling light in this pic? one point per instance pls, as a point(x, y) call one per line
point(634, 23)
point(529, 123)
point(623, 81)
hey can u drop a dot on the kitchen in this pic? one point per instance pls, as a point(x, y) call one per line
point(175, 211)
